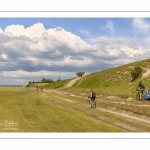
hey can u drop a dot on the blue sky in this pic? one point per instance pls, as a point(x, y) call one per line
point(93, 26)
point(33, 48)
point(82, 27)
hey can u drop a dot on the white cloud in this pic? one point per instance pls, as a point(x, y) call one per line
point(141, 26)
point(117, 51)
point(1, 31)
point(109, 26)
point(113, 52)
point(4, 56)
point(22, 73)
point(75, 62)
point(130, 52)
point(45, 47)
point(34, 31)
point(35, 52)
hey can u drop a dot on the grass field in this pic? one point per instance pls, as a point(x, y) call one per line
point(26, 110)
point(61, 109)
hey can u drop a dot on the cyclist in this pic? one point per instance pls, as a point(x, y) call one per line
point(142, 88)
point(92, 96)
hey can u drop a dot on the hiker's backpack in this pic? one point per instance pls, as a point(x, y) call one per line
point(93, 95)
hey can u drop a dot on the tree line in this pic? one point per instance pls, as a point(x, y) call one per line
point(44, 80)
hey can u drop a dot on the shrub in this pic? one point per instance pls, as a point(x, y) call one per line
point(137, 72)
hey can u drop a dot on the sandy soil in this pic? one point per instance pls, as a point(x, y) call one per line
point(72, 82)
point(147, 73)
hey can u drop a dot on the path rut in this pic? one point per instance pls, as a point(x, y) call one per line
point(147, 121)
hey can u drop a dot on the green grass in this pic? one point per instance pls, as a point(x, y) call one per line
point(30, 112)
point(114, 81)
point(34, 113)
point(135, 108)
point(57, 84)
point(53, 85)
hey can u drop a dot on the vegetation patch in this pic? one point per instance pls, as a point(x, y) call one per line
point(136, 73)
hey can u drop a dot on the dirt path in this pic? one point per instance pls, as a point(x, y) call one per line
point(125, 127)
point(147, 73)
point(139, 119)
point(72, 82)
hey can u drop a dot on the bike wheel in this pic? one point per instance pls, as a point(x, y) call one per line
point(143, 97)
point(138, 96)
point(94, 105)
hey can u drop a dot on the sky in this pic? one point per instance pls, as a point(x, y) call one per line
point(58, 48)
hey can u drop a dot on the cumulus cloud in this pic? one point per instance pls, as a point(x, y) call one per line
point(118, 51)
point(35, 52)
point(40, 52)
point(36, 46)
point(19, 30)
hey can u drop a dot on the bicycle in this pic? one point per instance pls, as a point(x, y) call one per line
point(141, 95)
point(93, 104)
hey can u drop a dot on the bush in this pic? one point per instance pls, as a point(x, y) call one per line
point(136, 73)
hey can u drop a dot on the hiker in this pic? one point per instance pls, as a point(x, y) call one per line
point(92, 97)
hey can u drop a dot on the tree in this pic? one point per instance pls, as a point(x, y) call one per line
point(80, 74)
point(59, 79)
point(136, 73)
point(29, 84)
point(44, 80)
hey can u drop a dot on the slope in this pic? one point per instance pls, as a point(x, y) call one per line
point(115, 81)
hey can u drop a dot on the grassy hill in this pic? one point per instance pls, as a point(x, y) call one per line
point(117, 81)
point(111, 82)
